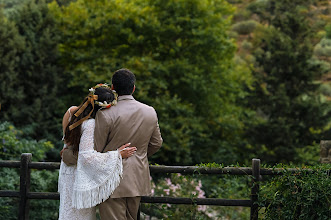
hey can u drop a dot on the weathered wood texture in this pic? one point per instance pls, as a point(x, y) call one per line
point(255, 188)
point(24, 186)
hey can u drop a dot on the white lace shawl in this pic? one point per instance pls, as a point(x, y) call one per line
point(98, 174)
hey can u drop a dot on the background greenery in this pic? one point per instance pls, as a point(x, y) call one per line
point(230, 80)
point(304, 195)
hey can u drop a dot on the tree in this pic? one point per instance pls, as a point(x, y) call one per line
point(11, 44)
point(33, 103)
point(291, 112)
point(182, 57)
point(9, 6)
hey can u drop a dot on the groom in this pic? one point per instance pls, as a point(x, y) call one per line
point(134, 122)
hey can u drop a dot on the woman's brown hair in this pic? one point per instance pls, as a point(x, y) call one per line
point(72, 137)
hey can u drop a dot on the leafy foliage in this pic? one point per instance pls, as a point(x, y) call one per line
point(11, 44)
point(328, 31)
point(181, 55)
point(31, 99)
point(184, 59)
point(290, 110)
point(304, 195)
point(323, 48)
point(44, 181)
point(10, 6)
point(177, 185)
point(245, 27)
point(11, 146)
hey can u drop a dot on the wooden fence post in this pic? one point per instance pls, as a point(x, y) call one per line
point(24, 186)
point(255, 189)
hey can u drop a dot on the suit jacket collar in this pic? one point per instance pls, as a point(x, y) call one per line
point(125, 97)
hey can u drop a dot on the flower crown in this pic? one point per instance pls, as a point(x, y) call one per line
point(92, 99)
point(104, 104)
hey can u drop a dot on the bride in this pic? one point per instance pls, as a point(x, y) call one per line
point(96, 175)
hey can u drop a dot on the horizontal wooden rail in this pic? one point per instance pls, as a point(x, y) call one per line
point(44, 165)
point(201, 170)
point(196, 201)
point(9, 193)
point(144, 199)
point(44, 195)
point(171, 169)
point(10, 163)
point(25, 195)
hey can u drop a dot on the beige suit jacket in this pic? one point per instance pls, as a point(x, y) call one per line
point(137, 123)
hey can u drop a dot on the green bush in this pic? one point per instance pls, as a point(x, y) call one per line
point(245, 27)
point(303, 195)
point(12, 145)
point(44, 181)
point(328, 31)
point(177, 185)
point(326, 89)
point(323, 48)
point(198, 186)
point(246, 45)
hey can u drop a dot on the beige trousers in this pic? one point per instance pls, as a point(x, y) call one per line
point(120, 208)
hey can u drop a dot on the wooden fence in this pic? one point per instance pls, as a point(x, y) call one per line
point(255, 172)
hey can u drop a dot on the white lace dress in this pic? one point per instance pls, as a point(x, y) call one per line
point(89, 183)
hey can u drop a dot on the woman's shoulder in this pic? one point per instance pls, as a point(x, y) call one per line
point(72, 109)
point(67, 116)
point(89, 123)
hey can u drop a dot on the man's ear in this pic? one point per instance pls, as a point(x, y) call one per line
point(134, 88)
point(112, 86)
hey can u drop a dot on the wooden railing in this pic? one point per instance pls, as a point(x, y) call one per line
point(255, 171)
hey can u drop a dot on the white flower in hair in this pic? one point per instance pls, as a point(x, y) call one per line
point(103, 104)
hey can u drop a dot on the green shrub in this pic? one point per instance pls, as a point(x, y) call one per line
point(323, 48)
point(246, 45)
point(44, 181)
point(245, 27)
point(326, 89)
point(328, 31)
point(198, 186)
point(12, 145)
point(302, 195)
point(178, 185)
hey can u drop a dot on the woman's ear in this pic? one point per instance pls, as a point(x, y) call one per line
point(112, 86)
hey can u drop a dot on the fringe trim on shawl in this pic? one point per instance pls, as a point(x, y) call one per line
point(97, 195)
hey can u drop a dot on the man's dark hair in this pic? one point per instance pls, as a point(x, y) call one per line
point(123, 81)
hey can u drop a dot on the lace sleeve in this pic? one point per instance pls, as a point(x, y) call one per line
point(87, 154)
point(98, 174)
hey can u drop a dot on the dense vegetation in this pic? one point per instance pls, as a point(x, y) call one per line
point(304, 195)
point(218, 78)
point(230, 80)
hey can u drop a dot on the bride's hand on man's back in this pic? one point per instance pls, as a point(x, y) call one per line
point(127, 151)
